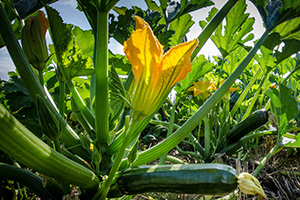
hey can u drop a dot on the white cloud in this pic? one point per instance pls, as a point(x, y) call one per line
point(6, 64)
point(71, 3)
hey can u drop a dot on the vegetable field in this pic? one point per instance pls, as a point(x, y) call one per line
point(161, 121)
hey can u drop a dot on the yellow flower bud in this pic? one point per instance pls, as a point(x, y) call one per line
point(33, 40)
point(248, 184)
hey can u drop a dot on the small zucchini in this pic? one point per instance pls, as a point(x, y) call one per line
point(206, 179)
point(252, 122)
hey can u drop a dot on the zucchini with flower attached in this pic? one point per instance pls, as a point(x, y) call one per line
point(206, 179)
point(252, 122)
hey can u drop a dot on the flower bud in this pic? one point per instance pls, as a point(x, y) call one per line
point(33, 40)
point(248, 184)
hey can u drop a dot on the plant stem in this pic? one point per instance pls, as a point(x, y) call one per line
point(101, 93)
point(117, 162)
point(170, 130)
point(111, 4)
point(207, 133)
point(88, 115)
point(62, 93)
point(32, 84)
point(245, 92)
point(257, 93)
point(297, 68)
point(166, 145)
point(273, 151)
point(41, 78)
point(213, 24)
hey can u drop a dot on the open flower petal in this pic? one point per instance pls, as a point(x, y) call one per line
point(176, 62)
point(154, 73)
point(143, 51)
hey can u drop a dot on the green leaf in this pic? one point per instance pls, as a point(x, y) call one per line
point(153, 6)
point(275, 12)
point(289, 103)
point(85, 39)
point(175, 9)
point(90, 12)
point(181, 27)
point(266, 59)
point(8, 7)
point(291, 140)
point(211, 14)
point(121, 28)
point(285, 106)
point(72, 51)
point(60, 32)
point(289, 29)
point(273, 94)
point(290, 47)
point(236, 31)
point(233, 60)
point(200, 66)
point(120, 63)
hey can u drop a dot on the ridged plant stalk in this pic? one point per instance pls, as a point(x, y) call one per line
point(88, 115)
point(18, 142)
point(101, 65)
point(255, 97)
point(129, 130)
point(245, 92)
point(165, 146)
point(33, 86)
point(207, 138)
point(273, 151)
point(212, 25)
point(170, 130)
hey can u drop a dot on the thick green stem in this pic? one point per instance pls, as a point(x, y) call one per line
point(165, 146)
point(88, 115)
point(213, 24)
point(254, 99)
point(101, 98)
point(111, 4)
point(170, 130)
point(245, 92)
point(32, 84)
point(273, 151)
point(207, 134)
point(62, 95)
point(117, 162)
point(297, 68)
point(41, 77)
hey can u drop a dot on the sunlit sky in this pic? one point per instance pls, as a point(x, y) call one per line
point(70, 14)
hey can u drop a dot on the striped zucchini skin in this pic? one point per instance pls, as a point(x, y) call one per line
point(206, 179)
point(252, 122)
point(18, 142)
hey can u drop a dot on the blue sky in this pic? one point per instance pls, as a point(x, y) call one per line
point(70, 14)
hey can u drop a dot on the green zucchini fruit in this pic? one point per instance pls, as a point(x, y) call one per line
point(252, 122)
point(206, 179)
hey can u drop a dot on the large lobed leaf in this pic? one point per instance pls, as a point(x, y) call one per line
point(73, 47)
point(236, 31)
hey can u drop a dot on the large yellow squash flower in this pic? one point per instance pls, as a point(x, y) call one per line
point(155, 72)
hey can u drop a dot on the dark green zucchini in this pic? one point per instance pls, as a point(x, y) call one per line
point(252, 122)
point(206, 179)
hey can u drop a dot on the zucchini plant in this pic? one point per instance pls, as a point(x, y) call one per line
point(100, 153)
